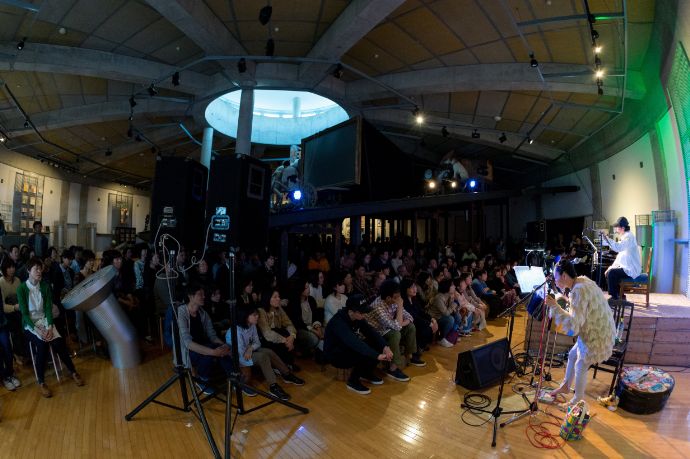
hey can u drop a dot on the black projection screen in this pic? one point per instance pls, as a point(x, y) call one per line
point(332, 157)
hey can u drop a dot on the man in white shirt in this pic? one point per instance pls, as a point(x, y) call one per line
point(627, 264)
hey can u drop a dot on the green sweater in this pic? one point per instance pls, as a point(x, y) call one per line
point(23, 299)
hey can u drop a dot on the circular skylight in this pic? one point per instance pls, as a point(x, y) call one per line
point(280, 117)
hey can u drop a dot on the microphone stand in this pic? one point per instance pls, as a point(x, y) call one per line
point(498, 410)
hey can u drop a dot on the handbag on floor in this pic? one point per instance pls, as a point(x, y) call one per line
point(576, 419)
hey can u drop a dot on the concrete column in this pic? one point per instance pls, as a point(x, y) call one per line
point(206, 147)
point(244, 122)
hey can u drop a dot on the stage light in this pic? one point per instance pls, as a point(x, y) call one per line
point(597, 60)
point(431, 185)
point(444, 132)
point(503, 137)
point(473, 183)
point(132, 102)
point(595, 35)
point(419, 118)
point(242, 65)
point(600, 90)
point(476, 134)
point(265, 14)
point(599, 74)
point(152, 90)
point(530, 140)
point(176, 79)
point(453, 184)
point(26, 123)
point(2, 139)
point(597, 49)
point(296, 195)
point(270, 47)
point(533, 61)
point(338, 72)
point(21, 44)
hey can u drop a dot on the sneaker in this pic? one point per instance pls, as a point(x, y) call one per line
point(358, 387)
point(17, 383)
point(45, 391)
point(398, 375)
point(278, 391)
point(416, 361)
point(465, 333)
point(372, 379)
point(290, 378)
point(445, 343)
point(77, 379)
point(249, 392)
point(205, 388)
point(9, 385)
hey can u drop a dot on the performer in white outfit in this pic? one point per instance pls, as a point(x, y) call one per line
point(627, 264)
point(589, 316)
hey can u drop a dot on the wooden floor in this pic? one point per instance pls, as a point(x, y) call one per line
point(416, 419)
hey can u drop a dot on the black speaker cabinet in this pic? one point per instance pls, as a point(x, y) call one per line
point(483, 366)
point(240, 184)
point(179, 201)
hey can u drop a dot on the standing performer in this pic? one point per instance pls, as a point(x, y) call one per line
point(627, 264)
point(589, 317)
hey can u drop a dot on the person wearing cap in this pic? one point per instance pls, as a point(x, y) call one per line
point(389, 317)
point(350, 342)
point(627, 264)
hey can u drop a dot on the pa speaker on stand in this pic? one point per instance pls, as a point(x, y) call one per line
point(483, 366)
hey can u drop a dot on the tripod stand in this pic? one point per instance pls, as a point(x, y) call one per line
point(235, 383)
point(183, 376)
point(498, 410)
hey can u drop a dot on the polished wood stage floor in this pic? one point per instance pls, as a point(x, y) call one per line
point(416, 419)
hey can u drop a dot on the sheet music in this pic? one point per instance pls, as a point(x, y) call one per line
point(529, 277)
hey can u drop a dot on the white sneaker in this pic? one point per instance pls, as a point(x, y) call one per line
point(8, 384)
point(445, 343)
point(17, 383)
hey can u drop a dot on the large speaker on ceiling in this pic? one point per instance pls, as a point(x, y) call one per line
point(483, 366)
point(178, 201)
point(240, 186)
point(536, 232)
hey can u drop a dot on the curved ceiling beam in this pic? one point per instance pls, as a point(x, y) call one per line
point(353, 24)
point(433, 125)
point(97, 113)
point(38, 57)
point(481, 77)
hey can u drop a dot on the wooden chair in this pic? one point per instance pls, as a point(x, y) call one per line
point(614, 364)
point(639, 285)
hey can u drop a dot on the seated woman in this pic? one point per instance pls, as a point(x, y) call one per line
point(316, 281)
point(307, 319)
point(425, 325)
point(9, 379)
point(336, 300)
point(9, 283)
point(218, 310)
point(35, 304)
point(277, 329)
point(201, 347)
point(477, 308)
point(444, 310)
point(252, 354)
point(246, 296)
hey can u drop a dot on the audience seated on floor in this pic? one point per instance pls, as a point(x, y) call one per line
point(307, 319)
point(278, 331)
point(425, 325)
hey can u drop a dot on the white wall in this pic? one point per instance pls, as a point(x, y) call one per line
point(74, 202)
point(634, 191)
point(52, 194)
point(568, 205)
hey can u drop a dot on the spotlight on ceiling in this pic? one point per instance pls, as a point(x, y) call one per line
point(503, 138)
point(599, 74)
point(444, 132)
point(338, 72)
point(597, 49)
point(597, 60)
point(472, 183)
point(533, 61)
point(453, 184)
point(2, 139)
point(595, 34)
point(296, 195)
point(21, 44)
point(270, 47)
point(530, 140)
point(26, 123)
point(242, 65)
point(108, 152)
point(152, 90)
point(132, 102)
point(265, 14)
point(176, 79)
point(476, 134)
point(431, 184)
point(419, 118)
point(600, 90)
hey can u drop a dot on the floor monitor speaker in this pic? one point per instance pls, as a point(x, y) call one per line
point(178, 201)
point(483, 366)
point(240, 186)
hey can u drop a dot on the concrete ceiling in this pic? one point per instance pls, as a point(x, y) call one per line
point(464, 63)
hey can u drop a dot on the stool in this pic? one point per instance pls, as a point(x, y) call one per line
point(52, 357)
point(644, 389)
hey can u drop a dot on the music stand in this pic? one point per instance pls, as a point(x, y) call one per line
point(528, 277)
